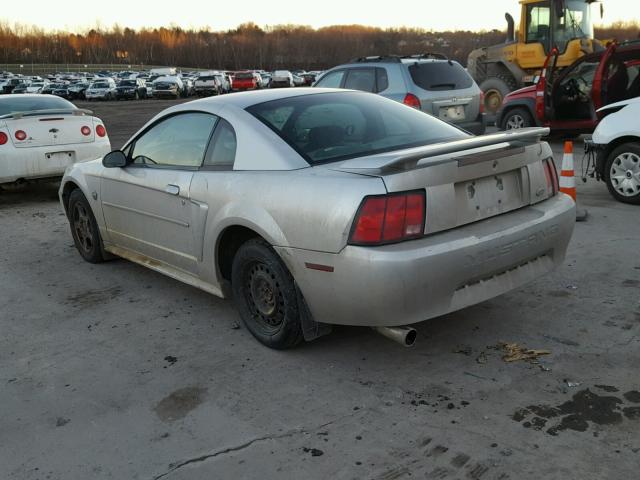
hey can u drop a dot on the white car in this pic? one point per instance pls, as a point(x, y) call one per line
point(281, 78)
point(37, 86)
point(617, 141)
point(101, 89)
point(41, 135)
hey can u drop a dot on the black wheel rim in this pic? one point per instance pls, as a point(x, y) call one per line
point(263, 296)
point(82, 228)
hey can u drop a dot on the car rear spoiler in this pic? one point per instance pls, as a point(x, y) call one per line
point(410, 160)
point(55, 111)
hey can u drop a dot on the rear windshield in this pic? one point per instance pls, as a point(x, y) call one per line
point(207, 78)
point(244, 76)
point(328, 127)
point(27, 104)
point(100, 85)
point(440, 76)
point(128, 83)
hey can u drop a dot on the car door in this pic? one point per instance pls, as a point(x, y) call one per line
point(146, 205)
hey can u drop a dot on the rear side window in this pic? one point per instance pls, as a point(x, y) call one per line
point(222, 151)
point(331, 80)
point(440, 76)
point(363, 79)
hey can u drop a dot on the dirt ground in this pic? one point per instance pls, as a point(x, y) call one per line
point(113, 371)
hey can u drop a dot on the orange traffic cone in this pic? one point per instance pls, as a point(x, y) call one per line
point(568, 181)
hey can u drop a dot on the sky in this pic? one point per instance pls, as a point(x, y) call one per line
point(80, 15)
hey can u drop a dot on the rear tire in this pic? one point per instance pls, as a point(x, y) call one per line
point(495, 89)
point(84, 228)
point(516, 119)
point(622, 173)
point(265, 295)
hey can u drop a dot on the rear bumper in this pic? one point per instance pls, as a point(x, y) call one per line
point(32, 163)
point(477, 127)
point(413, 281)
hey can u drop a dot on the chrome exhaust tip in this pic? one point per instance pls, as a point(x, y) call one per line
point(405, 336)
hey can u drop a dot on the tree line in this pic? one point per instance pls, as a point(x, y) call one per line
point(248, 45)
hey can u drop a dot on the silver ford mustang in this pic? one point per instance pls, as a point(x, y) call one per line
point(319, 207)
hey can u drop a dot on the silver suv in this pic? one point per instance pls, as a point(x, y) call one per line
point(429, 82)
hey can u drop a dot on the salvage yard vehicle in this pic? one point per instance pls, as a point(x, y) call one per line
point(428, 82)
point(168, 86)
point(281, 78)
point(616, 142)
point(40, 135)
point(37, 86)
point(209, 84)
point(570, 101)
point(101, 89)
point(358, 210)
point(131, 89)
point(544, 24)
point(245, 81)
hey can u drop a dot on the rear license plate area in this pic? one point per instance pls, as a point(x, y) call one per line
point(452, 113)
point(488, 196)
point(60, 158)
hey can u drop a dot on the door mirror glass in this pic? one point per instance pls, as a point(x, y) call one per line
point(114, 159)
point(536, 79)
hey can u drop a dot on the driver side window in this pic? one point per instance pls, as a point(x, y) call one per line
point(179, 140)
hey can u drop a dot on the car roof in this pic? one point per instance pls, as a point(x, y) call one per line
point(243, 100)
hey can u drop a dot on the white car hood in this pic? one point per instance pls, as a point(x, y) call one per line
point(620, 104)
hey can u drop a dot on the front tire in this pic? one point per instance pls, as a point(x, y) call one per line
point(622, 173)
point(495, 89)
point(516, 119)
point(265, 295)
point(84, 228)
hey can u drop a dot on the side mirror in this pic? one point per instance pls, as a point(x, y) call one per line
point(536, 79)
point(114, 159)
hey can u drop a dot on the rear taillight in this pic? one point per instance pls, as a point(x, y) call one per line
point(86, 131)
point(101, 131)
point(389, 218)
point(411, 100)
point(551, 175)
point(481, 101)
point(20, 135)
point(3, 138)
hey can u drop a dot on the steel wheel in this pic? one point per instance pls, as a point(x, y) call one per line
point(264, 296)
point(514, 122)
point(624, 174)
point(82, 227)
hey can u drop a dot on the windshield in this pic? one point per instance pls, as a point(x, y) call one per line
point(244, 76)
point(128, 83)
point(336, 126)
point(29, 103)
point(576, 23)
point(100, 85)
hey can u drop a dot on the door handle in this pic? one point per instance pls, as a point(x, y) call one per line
point(172, 189)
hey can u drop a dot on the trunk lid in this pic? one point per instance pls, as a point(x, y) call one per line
point(49, 129)
point(466, 180)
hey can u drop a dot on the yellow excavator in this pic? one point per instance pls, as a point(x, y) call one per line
point(544, 24)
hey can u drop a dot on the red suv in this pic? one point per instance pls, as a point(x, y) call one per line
point(567, 100)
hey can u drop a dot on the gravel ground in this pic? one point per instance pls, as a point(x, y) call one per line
point(113, 371)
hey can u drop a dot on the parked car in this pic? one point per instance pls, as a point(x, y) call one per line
point(309, 78)
point(281, 78)
point(405, 216)
point(77, 90)
point(210, 84)
point(616, 141)
point(21, 88)
point(101, 89)
point(49, 88)
point(168, 86)
point(131, 89)
point(188, 86)
point(10, 83)
point(568, 100)
point(40, 135)
point(37, 86)
point(244, 81)
point(297, 81)
point(428, 82)
point(266, 79)
point(63, 92)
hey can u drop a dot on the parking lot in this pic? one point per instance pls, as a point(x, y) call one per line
point(115, 371)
